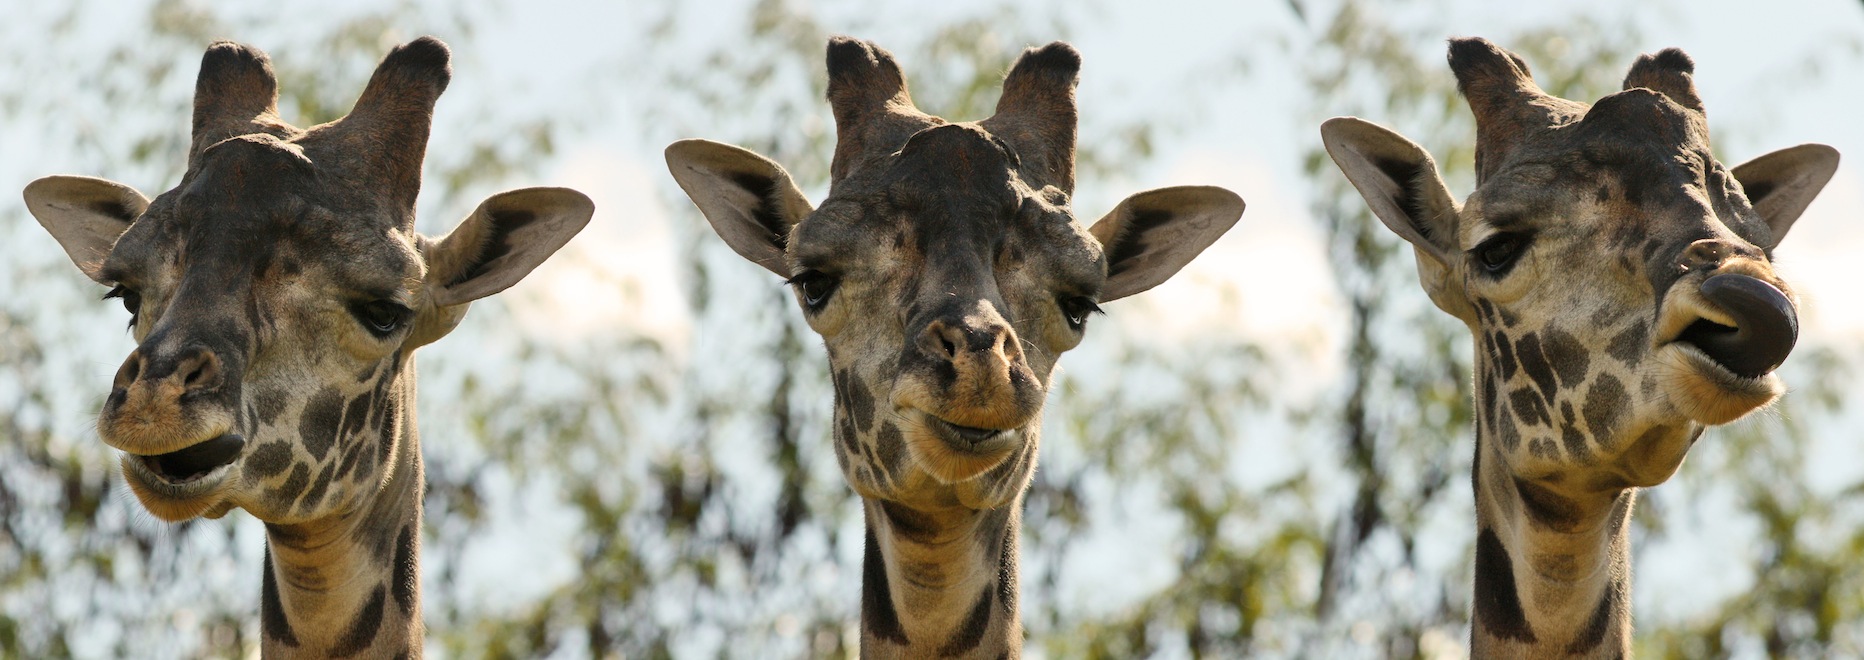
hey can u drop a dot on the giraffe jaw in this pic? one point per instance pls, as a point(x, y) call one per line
point(187, 483)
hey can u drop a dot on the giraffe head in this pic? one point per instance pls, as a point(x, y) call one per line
point(1618, 279)
point(277, 291)
point(945, 271)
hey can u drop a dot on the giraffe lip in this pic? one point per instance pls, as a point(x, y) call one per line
point(194, 462)
point(972, 438)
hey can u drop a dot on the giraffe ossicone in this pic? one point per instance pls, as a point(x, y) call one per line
point(945, 273)
point(1619, 285)
point(277, 294)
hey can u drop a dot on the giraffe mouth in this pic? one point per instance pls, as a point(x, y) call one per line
point(195, 462)
point(1750, 330)
point(972, 438)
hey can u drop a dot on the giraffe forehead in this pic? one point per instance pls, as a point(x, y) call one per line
point(1644, 189)
point(925, 220)
point(256, 204)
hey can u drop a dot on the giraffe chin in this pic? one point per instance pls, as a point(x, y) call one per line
point(1707, 392)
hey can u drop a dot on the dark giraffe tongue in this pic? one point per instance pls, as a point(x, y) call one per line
point(199, 459)
point(1766, 326)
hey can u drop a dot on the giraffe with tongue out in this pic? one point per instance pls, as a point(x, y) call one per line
point(1619, 284)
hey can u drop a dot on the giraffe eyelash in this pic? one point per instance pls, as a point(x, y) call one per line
point(815, 287)
point(132, 301)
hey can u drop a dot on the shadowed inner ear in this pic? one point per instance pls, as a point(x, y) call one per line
point(85, 215)
point(1398, 180)
point(502, 241)
point(750, 201)
point(1153, 234)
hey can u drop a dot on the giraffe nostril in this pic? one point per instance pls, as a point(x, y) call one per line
point(941, 341)
point(131, 369)
point(200, 371)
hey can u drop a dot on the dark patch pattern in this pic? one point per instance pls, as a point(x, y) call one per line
point(269, 404)
point(878, 617)
point(1547, 507)
point(294, 484)
point(1570, 434)
point(845, 431)
point(971, 632)
point(1505, 429)
point(322, 417)
point(1498, 605)
point(361, 631)
point(268, 460)
point(1599, 624)
point(315, 495)
point(907, 523)
point(271, 611)
point(1604, 407)
point(1567, 356)
point(1543, 448)
point(356, 416)
point(1490, 405)
point(1529, 408)
point(889, 446)
point(1650, 250)
point(860, 401)
point(1505, 356)
point(1628, 345)
point(1534, 362)
point(407, 570)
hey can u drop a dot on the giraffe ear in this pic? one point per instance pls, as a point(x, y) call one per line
point(510, 234)
point(1782, 184)
point(1153, 234)
point(1399, 180)
point(751, 201)
point(85, 215)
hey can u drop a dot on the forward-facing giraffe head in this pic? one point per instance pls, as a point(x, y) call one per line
point(1617, 278)
point(277, 291)
point(945, 271)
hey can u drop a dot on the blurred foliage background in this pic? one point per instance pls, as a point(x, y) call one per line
point(657, 483)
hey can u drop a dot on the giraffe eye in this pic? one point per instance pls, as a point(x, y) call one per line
point(1077, 308)
point(381, 317)
point(1499, 253)
point(132, 301)
point(814, 287)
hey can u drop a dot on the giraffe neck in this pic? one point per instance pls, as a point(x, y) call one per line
point(349, 585)
point(940, 583)
point(1553, 570)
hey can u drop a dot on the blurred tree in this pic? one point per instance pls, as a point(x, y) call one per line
point(689, 474)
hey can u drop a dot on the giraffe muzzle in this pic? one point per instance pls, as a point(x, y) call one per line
point(1765, 325)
